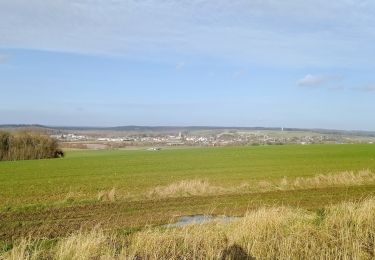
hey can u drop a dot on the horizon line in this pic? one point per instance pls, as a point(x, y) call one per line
point(187, 126)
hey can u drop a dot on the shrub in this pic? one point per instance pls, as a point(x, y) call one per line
point(28, 146)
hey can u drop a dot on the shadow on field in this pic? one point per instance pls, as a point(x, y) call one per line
point(235, 252)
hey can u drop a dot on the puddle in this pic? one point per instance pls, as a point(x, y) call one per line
point(199, 219)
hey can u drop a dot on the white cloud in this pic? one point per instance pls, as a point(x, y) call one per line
point(271, 33)
point(316, 80)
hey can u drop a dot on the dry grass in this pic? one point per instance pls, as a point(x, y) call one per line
point(197, 187)
point(72, 196)
point(193, 242)
point(320, 181)
point(84, 246)
point(187, 188)
point(25, 249)
point(107, 195)
point(345, 231)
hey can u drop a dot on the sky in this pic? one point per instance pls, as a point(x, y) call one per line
point(271, 63)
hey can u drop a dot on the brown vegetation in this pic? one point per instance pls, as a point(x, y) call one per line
point(198, 187)
point(27, 146)
point(185, 188)
point(344, 231)
point(107, 195)
point(319, 181)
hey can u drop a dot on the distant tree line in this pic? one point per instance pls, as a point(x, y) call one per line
point(28, 146)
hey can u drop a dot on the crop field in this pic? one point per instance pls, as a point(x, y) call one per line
point(124, 191)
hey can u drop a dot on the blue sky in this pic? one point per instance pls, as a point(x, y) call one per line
point(197, 62)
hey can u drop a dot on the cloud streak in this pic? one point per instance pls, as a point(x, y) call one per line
point(268, 33)
point(317, 80)
point(368, 88)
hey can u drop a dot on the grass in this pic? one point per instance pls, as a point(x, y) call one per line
point(89, 172)
point(125, 190)
point(343, 231)
point(187, 188)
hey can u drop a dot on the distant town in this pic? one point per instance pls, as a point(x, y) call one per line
point(156, 137)
point(214, 137)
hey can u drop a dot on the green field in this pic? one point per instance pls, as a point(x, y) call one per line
point(56, 196)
